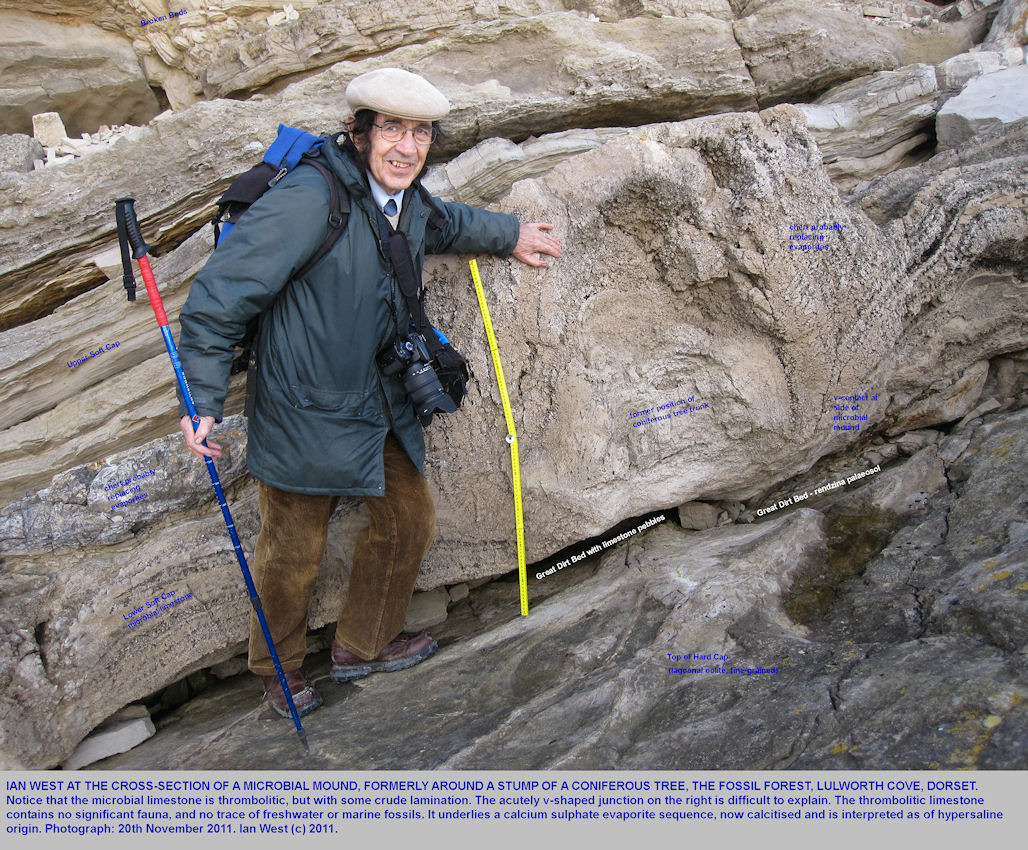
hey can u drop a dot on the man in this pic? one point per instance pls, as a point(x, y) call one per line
point(327, 421)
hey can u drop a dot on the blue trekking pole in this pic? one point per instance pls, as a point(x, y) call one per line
point(128, 229)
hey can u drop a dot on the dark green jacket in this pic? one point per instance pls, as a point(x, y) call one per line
point(322, 408)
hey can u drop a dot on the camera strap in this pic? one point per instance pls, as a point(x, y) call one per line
point(396, 247)
point(448, 366)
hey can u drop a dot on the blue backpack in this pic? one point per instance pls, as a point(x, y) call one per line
point(291, 148)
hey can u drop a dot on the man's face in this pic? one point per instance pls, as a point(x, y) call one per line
point(395, 164)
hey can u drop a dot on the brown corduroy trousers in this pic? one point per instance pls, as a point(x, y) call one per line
point(386, 560)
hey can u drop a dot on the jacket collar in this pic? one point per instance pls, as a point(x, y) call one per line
point(349, 172)
point(381, 196)
point(413, 215)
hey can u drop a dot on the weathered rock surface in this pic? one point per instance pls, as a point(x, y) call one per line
point(956, 72)
point(59, 412)
point(426, 610)
point(256, 54)
point(1010, 26)
point(683, 284)
point(50, 261)
point(698, 515)
point(230, 49)
point(48, 129)
point(225, 48)
point(712, 277)
point(986, 103)
point(110, 741)
point(606, 76)
point(909, 661)
point(796, 50)
point(18, 151)
point(584, 73)
point(487, 171)
point(64, 673)
point(944, 404)
point(689, 292)
point(967, 8)
point(615, 71)
point(91, 77)
point(870, 126)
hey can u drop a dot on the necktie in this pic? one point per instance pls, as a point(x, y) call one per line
point(390, 207)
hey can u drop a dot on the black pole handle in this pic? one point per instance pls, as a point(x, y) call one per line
point(125, 213)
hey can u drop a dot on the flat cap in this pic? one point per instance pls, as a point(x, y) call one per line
point(393, 91)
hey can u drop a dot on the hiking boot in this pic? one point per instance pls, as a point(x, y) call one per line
point(305, 698)
point(405, 650)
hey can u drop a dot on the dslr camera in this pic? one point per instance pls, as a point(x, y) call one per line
point(410, 358)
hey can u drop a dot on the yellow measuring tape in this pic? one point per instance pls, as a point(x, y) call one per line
point(512, 438)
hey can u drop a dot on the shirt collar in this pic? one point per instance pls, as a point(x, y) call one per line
point(381, 195)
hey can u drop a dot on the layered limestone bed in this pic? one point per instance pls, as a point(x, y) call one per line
point(221, 48)
point(745, 296)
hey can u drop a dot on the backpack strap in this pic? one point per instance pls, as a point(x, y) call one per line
point(397, 248)
point(238, 198)
point(338, 215)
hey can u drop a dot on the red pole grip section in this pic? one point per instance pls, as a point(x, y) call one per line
point(152, 291)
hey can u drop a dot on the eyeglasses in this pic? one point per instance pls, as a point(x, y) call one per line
point(393, 131)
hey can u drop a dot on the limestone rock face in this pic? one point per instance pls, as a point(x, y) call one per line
point(185, 589)
point(589, 73)
point(487, 171)
point(985, 103)
point(237, 48)
point(584, 74)
point(605, 76)
point(1010, 27)
point(48, 129)
point(718, 311)
point(870, 125)
point(242, 49)
point(18, 151)
point(230, 49)
point(93, 378)
point(793, 47)
point(255, 54)
point(954, 73)
point(91, 77)
point(194, 156)
point(723, 265)
point(116, 739)
point(797, 49)
point(907, 661)
point(682, 298)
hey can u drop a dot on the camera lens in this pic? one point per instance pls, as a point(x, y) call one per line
point(425, 391)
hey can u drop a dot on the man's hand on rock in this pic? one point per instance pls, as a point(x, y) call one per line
point(194, 439)
point(533, 241)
